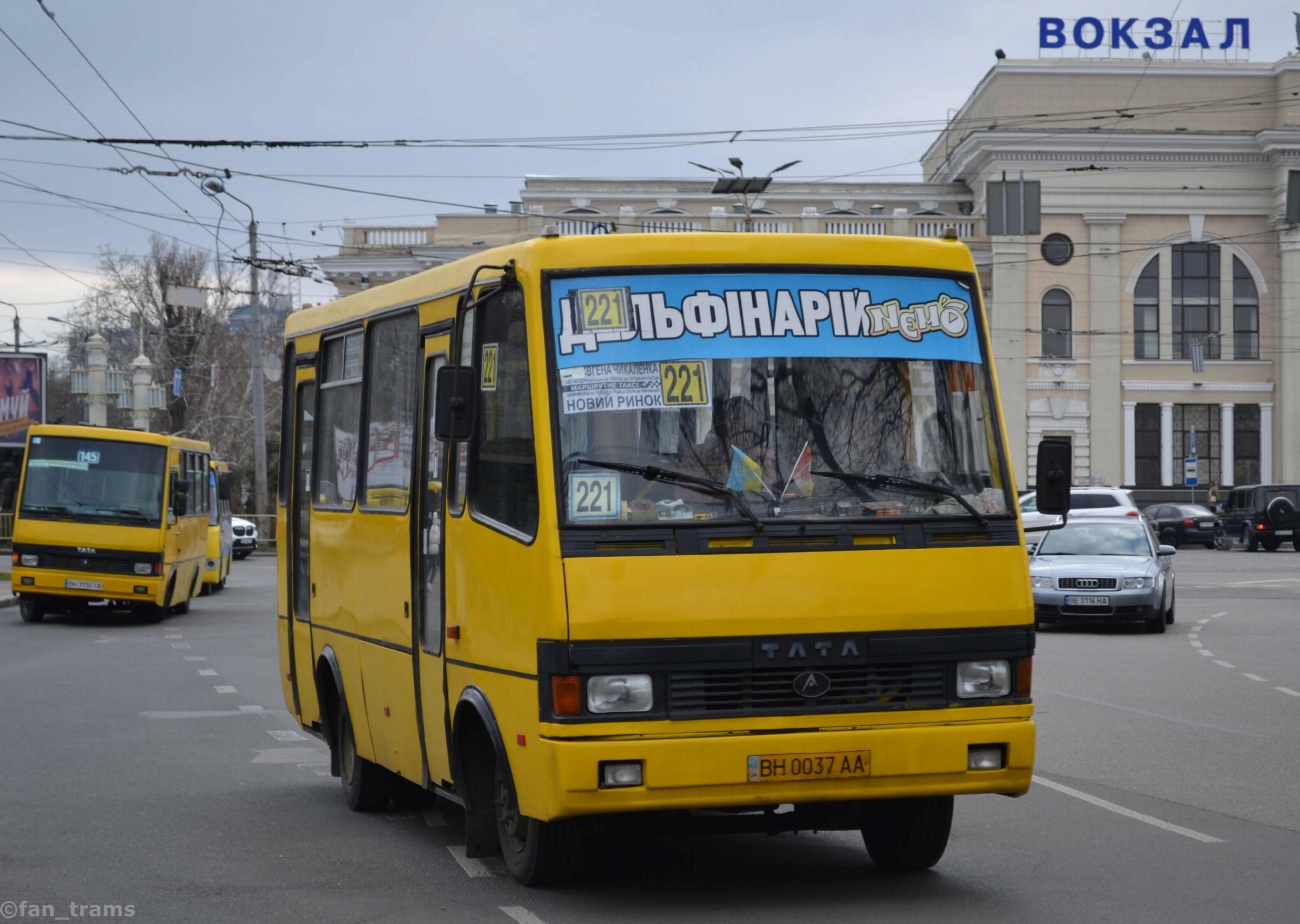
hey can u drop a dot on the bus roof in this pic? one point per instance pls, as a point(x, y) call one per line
point(87, 431)
point(681, 249)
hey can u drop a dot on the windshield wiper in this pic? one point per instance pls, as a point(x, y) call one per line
point(132, 511)
point(906, 486)
point(671, 476)
point(48, 508)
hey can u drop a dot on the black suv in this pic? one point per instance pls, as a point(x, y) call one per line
point(1260, 515)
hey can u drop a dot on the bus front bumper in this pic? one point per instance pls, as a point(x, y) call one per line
point(50, 582)
point(713, 772)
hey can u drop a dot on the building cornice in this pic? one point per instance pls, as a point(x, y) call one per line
point(1245, 387)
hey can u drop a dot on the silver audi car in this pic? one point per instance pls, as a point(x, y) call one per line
point(1106, 569)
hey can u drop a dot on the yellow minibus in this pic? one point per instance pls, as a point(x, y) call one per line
point(216, 566)
point(715, 525)
point(109, 517)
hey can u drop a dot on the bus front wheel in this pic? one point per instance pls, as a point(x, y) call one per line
point(907, 834)
point(365, 784)
point(31, 610)
point(537, 853)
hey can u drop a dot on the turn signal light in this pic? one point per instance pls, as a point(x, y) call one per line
point(566, 695)
point(1024, 676)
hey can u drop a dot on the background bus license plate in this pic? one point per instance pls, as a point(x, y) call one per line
point(784, 768)
point(83, 585)
point(1087, 601)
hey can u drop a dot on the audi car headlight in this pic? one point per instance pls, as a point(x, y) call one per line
point(1137, 583)
point(1042, 580)
point(620, 693)
point(982, 679)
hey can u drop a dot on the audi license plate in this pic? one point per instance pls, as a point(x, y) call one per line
point(784, 768)
point(1087, 601)
point(70, 584)
point(1205, 524)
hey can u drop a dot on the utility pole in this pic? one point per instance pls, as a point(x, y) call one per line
point(259, 405)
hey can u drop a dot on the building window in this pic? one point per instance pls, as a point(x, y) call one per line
point(1057, 249)
point(1245, 313)
point(1056, 324)
point(1196, 299)
point(1245, 444)
point(1146, 313)
point(1147, 443)
point(1202, 420)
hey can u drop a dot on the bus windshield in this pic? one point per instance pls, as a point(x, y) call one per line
point(94, 479)
point(794, 395)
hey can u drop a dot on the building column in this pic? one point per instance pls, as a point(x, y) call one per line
point(1007, 322)
point(1286, 370)
point(1130, 443)
point(97, 379)
point(1166, 443)
point(1227, 446)
point(1105, 300)
point(1266, 443)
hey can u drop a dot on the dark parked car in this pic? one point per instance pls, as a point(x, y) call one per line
point(1260, 516)
point(1177, 524)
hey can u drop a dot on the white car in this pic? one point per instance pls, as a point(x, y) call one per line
point(245, 537)
point(1084, 502)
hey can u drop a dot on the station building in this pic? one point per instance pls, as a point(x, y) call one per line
point(1154, 317)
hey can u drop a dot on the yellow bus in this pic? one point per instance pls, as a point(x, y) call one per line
point(216, 566)
point(715, 525)
point(109, 517)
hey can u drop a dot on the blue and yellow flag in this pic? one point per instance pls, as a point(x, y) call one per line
point(746, 474)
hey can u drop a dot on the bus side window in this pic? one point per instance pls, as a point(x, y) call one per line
point(503, 484)
point(458, 470)
point(393, 366)
point(340, 415)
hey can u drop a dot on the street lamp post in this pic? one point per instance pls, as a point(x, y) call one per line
point(214, 186)
point(17, 346)
point(735, 183)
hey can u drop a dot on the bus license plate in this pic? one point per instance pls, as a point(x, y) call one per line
point(785, 768)
point(1087, 601)
point(83, 585)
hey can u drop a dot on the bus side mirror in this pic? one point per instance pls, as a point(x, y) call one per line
point(1055, 462)
point(457, 390)
point(223, 487)
point(180, 497)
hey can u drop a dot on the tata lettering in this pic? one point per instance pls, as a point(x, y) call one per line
point(1157, 33)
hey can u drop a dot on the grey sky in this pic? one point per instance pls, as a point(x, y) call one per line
point(384, 69)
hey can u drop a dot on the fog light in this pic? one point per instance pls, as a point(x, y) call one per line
point(140, 589)
point(617, 775)
point(980, 679)
point(986, 757)
point(212, 565)
point(143, 567)
point(620, 693)
point(29, 581)
point(30, 561)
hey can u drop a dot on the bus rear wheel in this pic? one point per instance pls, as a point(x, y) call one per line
point(907, 834)
point(537, 853)
point(31, 610)
point(365, 784)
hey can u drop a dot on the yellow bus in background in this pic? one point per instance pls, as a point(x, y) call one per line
point(721, 526)
point(216, 566)
point(109, 517)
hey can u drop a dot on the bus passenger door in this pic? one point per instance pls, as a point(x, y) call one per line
point(430, 668)
point(299, 539)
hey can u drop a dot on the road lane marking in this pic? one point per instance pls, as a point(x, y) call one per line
point(1194, 645)
point(1224, 664)
point(225, 689)
point(1287, 691)
point(1208, 654)
point(474, 869)
point(292, 756)
point(1150, 715)
point(521, 914)
point(1273, 581)
point(195, 657)
point(287, 736)
point(1129, 813)
point(180, 644)
point(1254, 677)
point(207, 672)
point(205, 713)
point(1203, 621)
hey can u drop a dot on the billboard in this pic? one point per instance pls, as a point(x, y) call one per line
point(22, 395)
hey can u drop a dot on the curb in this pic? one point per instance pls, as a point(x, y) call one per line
point(8, 601)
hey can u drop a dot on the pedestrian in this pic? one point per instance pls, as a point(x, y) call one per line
point(1212, 496)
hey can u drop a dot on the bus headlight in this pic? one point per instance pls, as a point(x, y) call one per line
point(983, 679)
point(30, 561)
point(143, 567)
point(620, 693)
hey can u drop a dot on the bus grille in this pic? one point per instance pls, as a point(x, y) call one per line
point(748, 691)
point(98, 565)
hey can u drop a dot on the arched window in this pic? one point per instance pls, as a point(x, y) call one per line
point(1146, 313)
point(1057, 324)
point(1245, 313)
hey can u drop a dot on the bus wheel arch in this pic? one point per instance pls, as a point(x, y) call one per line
point(366, 785)
point(329, 693)
point(477, 750)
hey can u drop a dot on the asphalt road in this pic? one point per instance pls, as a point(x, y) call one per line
point(153, 769)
